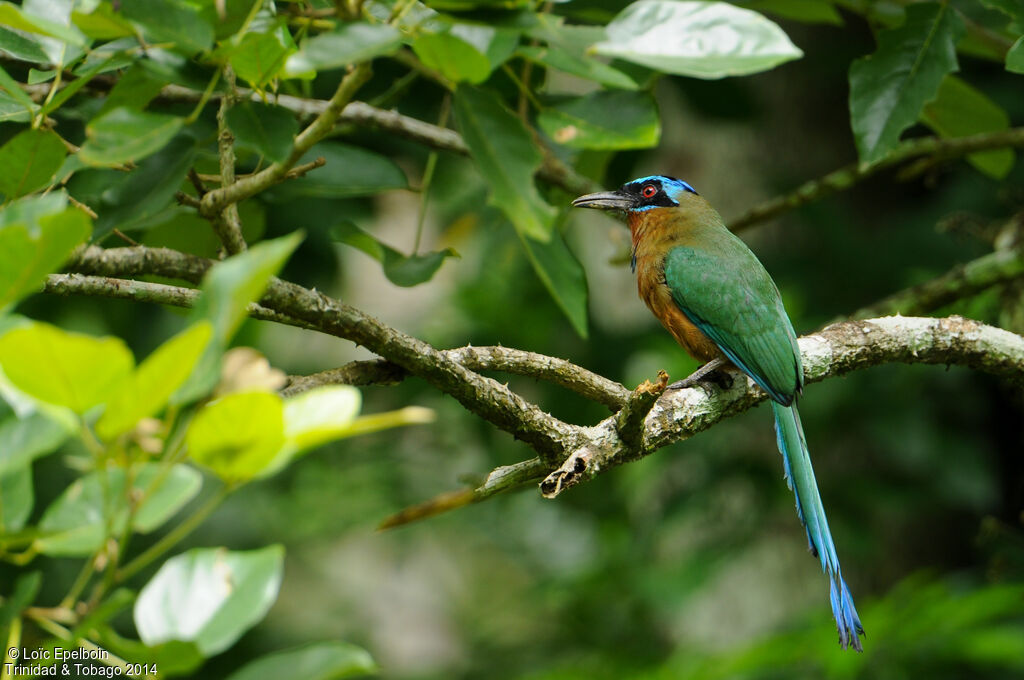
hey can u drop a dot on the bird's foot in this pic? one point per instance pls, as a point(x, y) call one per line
point(708, 373)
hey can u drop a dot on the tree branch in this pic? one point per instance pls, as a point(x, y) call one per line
point(226, 222)
point(846, 177)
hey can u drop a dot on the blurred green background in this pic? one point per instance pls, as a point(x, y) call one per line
point(690, 563)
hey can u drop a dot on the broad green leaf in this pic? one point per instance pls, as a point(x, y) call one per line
point(61, 50)
point(401, 270)
point(563, 276)
point(15, 105)
point(1015, 57)
point(507, 158)
point(124, 134)
point(583, 67)
point(807, 11)
point(23, 47)
point(269, 130)
point(22, 440)
point(76, 522)
point(316, 661)
point(239, 435)
point(960, 110)
point(151, 385)
point(320, 415)
point(700, 39)
point(139, 199)
point(209, 596)
point(12, 16)
point(259, 57)
point(16, 497)
point(227, 290)
point(63, 368)
point(604, 120)
point(350, 43)
point(350, 171)
point(33, 243)
point(26, 587)
point(134, 89)
point(32, 158)
point(889, 88)
point(102, 22)
point(452, 56)
point(171, 21)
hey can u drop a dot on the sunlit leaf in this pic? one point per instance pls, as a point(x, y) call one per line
point(37, 234)
point(209, 596)
point(401, 270)
point(259, 57)
point(960, 110)
point(13, 16)
point(151, 385)
point(102, 22)
point(76, 522)
point(320, 415)
point(124, 134)
point(583, 67)
point(350, 43)
point(32, 158)
point(317, 661)
point(1015, 57)
point(507, 157)
point(452, 56)
point(239, 435)
point(604, 120)
point(699, 39)
point(63, 368)
point(21, 46)
point(889, 88)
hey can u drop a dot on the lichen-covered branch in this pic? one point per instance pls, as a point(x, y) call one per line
point(505, 359)
point(834, 351)
point(844, 178)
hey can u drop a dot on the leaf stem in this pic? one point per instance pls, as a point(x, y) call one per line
point(13, 641)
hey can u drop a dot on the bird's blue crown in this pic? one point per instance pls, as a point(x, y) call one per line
point(657, 191)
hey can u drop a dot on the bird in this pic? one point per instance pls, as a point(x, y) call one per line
point(716, 298)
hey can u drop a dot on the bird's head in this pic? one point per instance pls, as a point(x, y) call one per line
point(645, 193)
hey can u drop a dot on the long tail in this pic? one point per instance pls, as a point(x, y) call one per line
point(800, 476)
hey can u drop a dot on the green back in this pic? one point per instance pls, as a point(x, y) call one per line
point(725, 291)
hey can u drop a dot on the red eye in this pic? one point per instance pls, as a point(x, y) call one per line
point(649, 191)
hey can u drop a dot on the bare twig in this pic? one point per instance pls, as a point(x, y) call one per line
point(226, 221)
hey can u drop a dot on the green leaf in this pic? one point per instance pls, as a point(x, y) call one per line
point(134, 89)
point(582, 67)
point(227, 290)
point(1015, 57)
point(36, 236)
point(26, 587)
point(507, 158)
point(172, 21)
point(700, 39)
point(239, 435)
point(22, 440)
point(75, 523)
point(21, 46)
point(63, 368)
point(34, 156)
point(209, 596)
point(350, 43)
point(807, 11)
point(259, 57)
point(124, 134)
point(151, 385)
point(268, 130)
point(401, 270)
point(139, 199)
point(316, 661)
point(452, 56)
point(960, 110)
point(563, 276)
point(320, 415)
point(889, 88)
point(350, 171)
point(604, 120)
point(102, 22)
point(12, 89)
point(16, 498)
point(12, 16)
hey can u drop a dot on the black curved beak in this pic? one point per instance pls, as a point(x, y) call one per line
point(604, 200)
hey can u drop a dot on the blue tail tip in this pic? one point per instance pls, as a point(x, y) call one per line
point(845, 613)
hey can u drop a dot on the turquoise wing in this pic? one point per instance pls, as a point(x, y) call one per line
point(726, 292)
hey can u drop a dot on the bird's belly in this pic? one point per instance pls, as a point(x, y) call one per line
point(659, 299)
